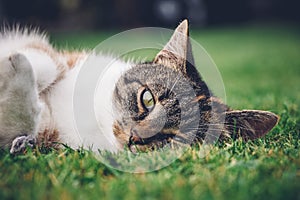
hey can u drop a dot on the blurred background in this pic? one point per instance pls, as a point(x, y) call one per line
point(245, 38)
point(70, 15)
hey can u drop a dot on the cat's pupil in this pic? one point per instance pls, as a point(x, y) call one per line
point(147, 100)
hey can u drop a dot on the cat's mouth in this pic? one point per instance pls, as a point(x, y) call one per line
point(137, 144)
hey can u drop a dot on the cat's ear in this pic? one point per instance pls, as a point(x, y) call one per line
point(177, 52)
point(249, 124)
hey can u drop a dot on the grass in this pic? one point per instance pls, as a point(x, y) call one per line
point(260, 67)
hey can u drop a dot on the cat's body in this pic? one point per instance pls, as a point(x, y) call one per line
point(37, 86)
point(53, 77)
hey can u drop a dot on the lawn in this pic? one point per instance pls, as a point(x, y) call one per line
point(260, 67)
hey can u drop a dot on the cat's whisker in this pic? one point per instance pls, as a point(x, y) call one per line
point(213, 129)
point(174, 84)
point(212, 124)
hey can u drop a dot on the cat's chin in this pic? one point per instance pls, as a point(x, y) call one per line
point(141, 148)
point(147, 147)
point(137, 148)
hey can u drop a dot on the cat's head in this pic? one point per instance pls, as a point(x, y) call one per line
point(166, 102)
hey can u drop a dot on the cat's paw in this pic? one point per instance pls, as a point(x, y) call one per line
point(16, 72)
point(22, 68)
point(21, 143)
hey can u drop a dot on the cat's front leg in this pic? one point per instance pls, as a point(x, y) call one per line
point(19, 103)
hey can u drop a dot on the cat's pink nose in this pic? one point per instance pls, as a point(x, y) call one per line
point(134, 138)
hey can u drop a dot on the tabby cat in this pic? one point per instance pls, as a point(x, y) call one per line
point(153, 104)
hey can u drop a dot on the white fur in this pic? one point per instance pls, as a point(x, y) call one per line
point(43, 66)
point(91, 135)
point(103, 97)
point(12, 41)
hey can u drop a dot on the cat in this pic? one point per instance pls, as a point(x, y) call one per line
point(154, 104)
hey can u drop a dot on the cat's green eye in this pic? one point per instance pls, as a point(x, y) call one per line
point(147, 100)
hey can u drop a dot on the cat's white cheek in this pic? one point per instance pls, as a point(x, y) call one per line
point(103, 106)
